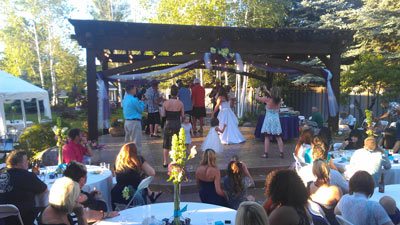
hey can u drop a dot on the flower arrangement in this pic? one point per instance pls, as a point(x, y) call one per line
point(61, 136)
point(224, 52)
point(177, 169)
point(368, 120)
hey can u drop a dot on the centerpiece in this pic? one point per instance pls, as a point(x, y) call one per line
point(60, 135)
point(177, 172)
point(368, 119)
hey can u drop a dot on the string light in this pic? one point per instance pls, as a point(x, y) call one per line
point(130, 56)
point(154, 57)
point(110, 60)
point(130, 61)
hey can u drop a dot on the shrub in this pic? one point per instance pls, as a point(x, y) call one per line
point(37, 138)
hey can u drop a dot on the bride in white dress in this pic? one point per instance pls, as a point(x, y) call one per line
point(228, 121)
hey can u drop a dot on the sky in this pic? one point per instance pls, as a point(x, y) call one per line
point(81, 11)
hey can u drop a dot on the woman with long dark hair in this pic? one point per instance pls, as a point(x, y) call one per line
point(272, 126)
point(234, 184)
point(228, 121)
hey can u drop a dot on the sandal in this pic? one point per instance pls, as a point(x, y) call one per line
point(265, 155)
point(153, 197)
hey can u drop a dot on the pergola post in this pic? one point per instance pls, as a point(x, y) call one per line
point(104, 66)
point(334, 66)
point(91, 93)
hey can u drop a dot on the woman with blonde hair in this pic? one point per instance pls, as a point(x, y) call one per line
point(63, 198)
point(208, 178)
point(322, 192)
point(251, 213)
point(130, 170)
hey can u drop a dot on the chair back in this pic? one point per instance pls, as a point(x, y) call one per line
point(10, 210)
point(342, 221)
point(139, 197)
point(297, 163)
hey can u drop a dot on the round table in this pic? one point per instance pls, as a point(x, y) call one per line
point(97, 178)
point(289, 124)
point(392, 176)
point(390, 190)
point(199, 213)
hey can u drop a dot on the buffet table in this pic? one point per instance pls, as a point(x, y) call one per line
point(289, 124)
point(98, 178)
point(199, 214)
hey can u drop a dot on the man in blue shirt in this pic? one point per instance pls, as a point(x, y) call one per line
point(132, 110)
point(185, 95)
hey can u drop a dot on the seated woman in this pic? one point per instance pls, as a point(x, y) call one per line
point(63, 198)
point(208, 178)
point(346, 121)
point(287, 199)
point(251, 213)
point(320, 152)
point(354, 141)
point(322, 192)
point(234, 185)
point(303, 147)
point(356, 208)
point(130, 170)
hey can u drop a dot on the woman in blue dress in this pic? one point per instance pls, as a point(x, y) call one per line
point(272, 125)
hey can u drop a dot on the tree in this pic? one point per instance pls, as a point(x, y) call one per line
point(373, 74)
point(111, 10)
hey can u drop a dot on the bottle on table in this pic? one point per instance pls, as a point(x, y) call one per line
point(381, 184)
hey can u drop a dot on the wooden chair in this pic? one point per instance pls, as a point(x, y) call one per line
point(10, 210)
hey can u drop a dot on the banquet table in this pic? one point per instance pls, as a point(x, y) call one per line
point(390, 190)
point(199, 213)
point(392, 176)
point(98, 178)
point(18, 124)
point(289, 124)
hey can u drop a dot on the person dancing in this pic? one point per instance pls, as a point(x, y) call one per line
point(228, 121)
point(272, 126)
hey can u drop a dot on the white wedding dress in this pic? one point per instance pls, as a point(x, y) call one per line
point(231, 133)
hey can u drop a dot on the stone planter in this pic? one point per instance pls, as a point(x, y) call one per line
point(116, 131)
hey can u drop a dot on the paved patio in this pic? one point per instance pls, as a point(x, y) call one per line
point(248, 152)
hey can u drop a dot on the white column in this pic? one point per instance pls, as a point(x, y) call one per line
point(120, 92)
point(226, 78)
point(201, 77)
point(38, 111)
point(3, 125)
point(23, 112)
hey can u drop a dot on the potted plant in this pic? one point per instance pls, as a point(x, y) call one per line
point(116, 129)
point(177, 172)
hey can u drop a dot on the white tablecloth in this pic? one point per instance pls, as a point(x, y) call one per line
point(199, 213)
point(100, 181)
point(18, 124)
point(390, 190)
point(392, 176)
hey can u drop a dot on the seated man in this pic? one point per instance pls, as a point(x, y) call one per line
point(98, 208)
point(393, 114)
point(346, 122)
point(18, 186)
point(316, 117)
point(75, 149)
point(369, 159)
point(389, 204)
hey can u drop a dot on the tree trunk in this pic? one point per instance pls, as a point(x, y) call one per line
point(38, 55)
point(54, 100)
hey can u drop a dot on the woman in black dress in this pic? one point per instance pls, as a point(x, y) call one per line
point(130, 170)
point(174, 112)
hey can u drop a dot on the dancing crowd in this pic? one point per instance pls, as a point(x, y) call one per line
point(312, 191)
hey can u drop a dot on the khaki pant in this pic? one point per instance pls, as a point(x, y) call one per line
point(133, 133)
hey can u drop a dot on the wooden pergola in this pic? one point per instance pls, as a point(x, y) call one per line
point(143, 47)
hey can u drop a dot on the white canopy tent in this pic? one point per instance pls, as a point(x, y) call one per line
point(13, 89)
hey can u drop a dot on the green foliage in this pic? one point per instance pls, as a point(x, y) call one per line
point(37, 138)
point(368, 120)
point(116, 10)
point(372, 73)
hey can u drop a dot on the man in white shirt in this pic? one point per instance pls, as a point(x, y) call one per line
point(368, 159)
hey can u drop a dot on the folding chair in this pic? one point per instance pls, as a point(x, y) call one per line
point(342, 221)
point(6, 146)
point(10, 210)
point(137, 199)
